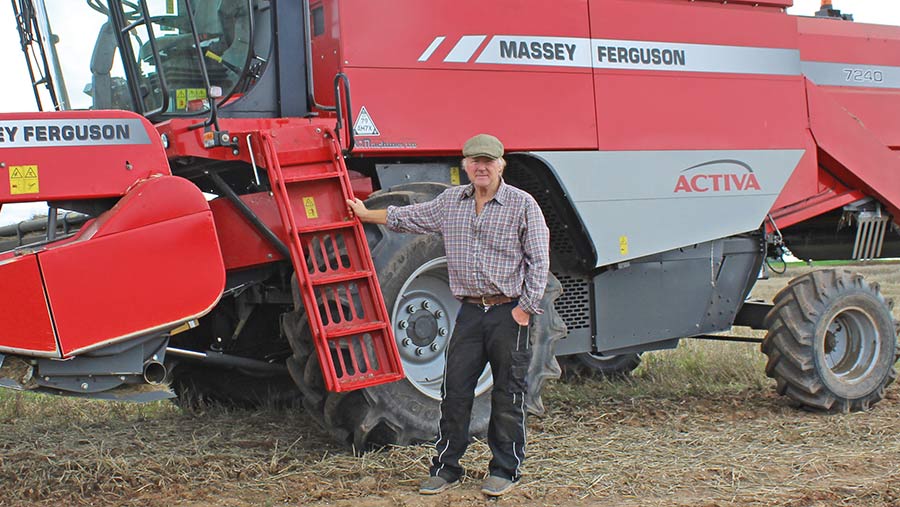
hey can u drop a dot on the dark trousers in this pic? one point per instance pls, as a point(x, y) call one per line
point(478, 338)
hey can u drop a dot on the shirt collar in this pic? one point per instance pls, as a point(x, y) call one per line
point(501, 196)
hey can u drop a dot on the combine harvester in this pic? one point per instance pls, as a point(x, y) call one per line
point(673, 145)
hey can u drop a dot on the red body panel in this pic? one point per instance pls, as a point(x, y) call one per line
point(692, 22)
point(25, 320)
point(241, 245)
point(148, 264)
point(855, 43)
point(425, 101)
point(542, 107)
point(702, 112)
point(434, 106)
point(446, 119)
point(138, 269)
point(861, 160)
point(690, 110)
point(80, 168)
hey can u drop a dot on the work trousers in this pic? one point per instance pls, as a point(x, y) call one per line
point(480, 337)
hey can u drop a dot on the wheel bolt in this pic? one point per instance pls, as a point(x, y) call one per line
point(443, 331)
point(406, 342)
point(410, 309)
point(434, 347)
point(402, 324)
point(426, 305)
point(438, 314)
point(419, 351)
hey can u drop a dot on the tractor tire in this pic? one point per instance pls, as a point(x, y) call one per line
point(831, 342)
point(414, 282)
point(198, 387)
point(588, 364)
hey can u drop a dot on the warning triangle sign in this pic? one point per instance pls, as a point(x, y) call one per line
point(15, 173)
point(364, 125)
point(30, 173)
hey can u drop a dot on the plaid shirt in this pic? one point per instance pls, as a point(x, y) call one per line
point(504, 250)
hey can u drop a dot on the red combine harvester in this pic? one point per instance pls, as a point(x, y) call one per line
point(208, 148)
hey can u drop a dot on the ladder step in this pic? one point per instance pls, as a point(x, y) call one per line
point(298, 174)
point(330, 226)
point(368, 379)
point(307, 171)
point(346, 276)
point(341, 330)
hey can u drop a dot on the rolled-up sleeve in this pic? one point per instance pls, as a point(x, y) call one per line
point(536, 248)
point(421, 218)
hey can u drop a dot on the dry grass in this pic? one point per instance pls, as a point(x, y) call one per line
point(699, 425)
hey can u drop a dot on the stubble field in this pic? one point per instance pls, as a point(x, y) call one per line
point(699, 425)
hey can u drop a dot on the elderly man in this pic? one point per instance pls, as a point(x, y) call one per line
point(497, 246)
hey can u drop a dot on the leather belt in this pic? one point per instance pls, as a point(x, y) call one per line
point(487, 301)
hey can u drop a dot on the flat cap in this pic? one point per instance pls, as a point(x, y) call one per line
point(483, 145)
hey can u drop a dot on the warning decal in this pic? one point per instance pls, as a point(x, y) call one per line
point(309, 204)
point(23, 179)
point(454, 175)
point(364, 125)
point(623, 245)
point(184, 96)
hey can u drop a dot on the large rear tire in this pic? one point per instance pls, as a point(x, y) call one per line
point(596, 365)
point(832, 342)
point(199, 385)
point(414, 282)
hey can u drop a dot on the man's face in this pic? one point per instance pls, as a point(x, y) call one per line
point(483, 172)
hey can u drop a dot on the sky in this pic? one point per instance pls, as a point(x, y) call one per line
point(16, 94)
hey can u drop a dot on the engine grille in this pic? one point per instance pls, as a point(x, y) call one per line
point(559, 236)
point(574, 306)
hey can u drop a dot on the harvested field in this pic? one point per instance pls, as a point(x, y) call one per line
point(700, 425)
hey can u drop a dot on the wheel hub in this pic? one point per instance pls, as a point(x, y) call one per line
point(851, 345)
point(422, 328)
point(423, 318)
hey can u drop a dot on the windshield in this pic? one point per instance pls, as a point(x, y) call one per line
point(161, 72)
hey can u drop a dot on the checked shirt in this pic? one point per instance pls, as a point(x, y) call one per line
point(504, 250)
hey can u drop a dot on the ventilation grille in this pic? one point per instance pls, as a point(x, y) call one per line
point(574, 306)
point(559, 236)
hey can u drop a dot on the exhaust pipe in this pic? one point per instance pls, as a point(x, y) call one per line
point(155, 372)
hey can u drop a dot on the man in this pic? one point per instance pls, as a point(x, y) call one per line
point(498, 259)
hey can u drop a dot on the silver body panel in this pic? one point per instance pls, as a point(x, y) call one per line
point(638, 203)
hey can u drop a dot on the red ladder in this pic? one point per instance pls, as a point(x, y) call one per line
point(349, 322)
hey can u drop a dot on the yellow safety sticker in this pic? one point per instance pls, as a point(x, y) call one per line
point(623, 245)
point(170, 6)
point(196, 93)
point(185, 95)
point(23, 179)
point(310, 204)
point(454, 175)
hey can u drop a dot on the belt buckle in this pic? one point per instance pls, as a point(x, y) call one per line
point(484, 306)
